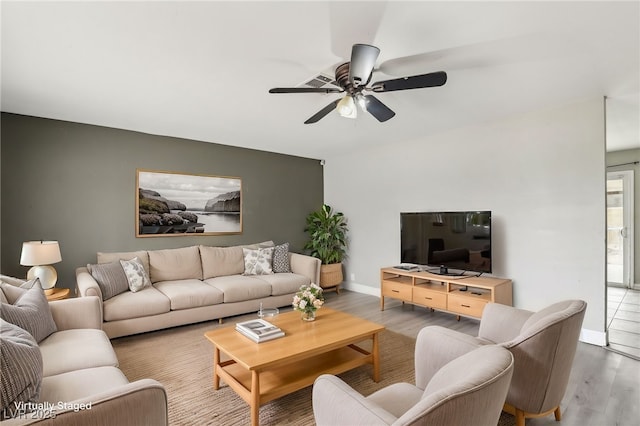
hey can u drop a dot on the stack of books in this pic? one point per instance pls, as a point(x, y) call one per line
point(259, 330)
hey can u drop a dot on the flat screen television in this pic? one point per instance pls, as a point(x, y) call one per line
point(447, 241)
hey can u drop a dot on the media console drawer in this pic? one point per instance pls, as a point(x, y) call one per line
point(429, 298)
point(396, 290)
point(466, 305)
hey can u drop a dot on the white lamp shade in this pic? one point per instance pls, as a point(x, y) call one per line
point(36, 253)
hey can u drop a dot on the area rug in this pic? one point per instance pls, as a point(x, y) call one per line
point(181, 358)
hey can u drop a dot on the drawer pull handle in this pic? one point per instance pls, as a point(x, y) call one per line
point(466, 306)
point(395, 291)
point(428, 298)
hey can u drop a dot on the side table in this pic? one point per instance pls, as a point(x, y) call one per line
point(58, 294)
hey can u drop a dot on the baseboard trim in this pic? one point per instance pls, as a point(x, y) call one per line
point(598, 338)
point(361, 288)
point(592, 337)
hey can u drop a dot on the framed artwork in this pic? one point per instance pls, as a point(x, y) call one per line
point(174, 204)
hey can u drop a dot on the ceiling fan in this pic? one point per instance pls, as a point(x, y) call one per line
point(353, 78)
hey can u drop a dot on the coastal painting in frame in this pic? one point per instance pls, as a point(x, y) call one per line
point(173, 204)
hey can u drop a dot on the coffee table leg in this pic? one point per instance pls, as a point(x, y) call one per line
point(216, 365)
point(376, 358)
point(255, 398)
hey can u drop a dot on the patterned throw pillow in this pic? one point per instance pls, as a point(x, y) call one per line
point(258, 261)
point(110, 278)
point(281, 258)
point(136, 275)
point(20, 368)
point(31, 312)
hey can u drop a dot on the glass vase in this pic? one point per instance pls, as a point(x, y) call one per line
point(308, 315)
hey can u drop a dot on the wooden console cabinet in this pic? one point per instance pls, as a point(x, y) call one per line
point(466, 295)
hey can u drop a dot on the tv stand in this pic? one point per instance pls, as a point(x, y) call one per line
point(460, 295)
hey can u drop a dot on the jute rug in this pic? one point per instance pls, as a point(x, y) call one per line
point(181, 359)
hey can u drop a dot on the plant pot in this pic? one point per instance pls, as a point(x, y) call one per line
point(331, 275)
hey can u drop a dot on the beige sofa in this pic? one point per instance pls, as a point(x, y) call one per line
point(193, 284)
point(71, 376)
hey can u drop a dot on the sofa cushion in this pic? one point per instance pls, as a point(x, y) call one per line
point(20, 367)
point(221, 261)
point(74, 349)
point(175, 264)
point(79, 384)
point(185, 294)
point(284, 283)
point(136, 276)
point(110, 278)
point(30, 312)
point(281, 258)
point(258, 261)
point(146, 302)
point(238, 288)
point(125, 255)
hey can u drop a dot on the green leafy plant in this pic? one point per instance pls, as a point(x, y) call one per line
point(328, 231)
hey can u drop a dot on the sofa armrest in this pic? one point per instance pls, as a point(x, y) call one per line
point(86, 284)
point(143, 402)
point(336, 403)
point(80, 312)
point(501, 323)
point(436, 346)
point(305, 265)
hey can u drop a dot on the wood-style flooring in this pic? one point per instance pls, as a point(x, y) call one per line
point(604, 387)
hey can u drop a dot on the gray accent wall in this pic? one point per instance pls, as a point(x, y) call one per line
point(76, 183)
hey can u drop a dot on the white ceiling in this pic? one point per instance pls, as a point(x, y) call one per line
point(202, 70)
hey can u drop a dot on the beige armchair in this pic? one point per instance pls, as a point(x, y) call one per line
point(543, 345)
point(468, 390)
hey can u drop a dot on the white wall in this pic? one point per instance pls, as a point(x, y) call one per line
point(541, 174)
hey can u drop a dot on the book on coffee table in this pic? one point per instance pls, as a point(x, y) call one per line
point(259, 330)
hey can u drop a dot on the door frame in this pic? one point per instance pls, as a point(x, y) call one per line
point(627, 177)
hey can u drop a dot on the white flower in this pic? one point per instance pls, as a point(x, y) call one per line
point(308, 298)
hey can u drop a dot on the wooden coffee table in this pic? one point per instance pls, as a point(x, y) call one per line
point(261, 372)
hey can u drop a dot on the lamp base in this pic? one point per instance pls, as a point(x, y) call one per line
point(47, 275)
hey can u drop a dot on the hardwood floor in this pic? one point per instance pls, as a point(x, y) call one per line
point(604, 387)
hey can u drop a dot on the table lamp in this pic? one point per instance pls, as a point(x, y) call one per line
point(40, 255)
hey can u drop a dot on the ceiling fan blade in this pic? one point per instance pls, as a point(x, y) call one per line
point(324, 111)
point(379, 110)
point(433, 79)
point(363, 59)
point(305, 90)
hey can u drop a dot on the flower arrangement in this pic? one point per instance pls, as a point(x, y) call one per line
point(308, 299)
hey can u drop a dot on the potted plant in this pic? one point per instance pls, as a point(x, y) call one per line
point(327, 231)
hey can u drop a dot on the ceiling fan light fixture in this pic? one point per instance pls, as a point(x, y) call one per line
point(347, 107)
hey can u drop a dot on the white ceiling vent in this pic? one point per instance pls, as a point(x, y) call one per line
point(320, 81)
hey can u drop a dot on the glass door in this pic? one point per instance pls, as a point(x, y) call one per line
point(620, 228)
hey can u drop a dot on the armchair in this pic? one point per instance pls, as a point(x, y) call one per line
point(543, 345)
point(468, 390)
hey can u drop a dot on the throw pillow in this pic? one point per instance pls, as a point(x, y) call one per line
point(20, 368)
point(31, 312)
point(110, 278)
point(137, 277)
point(12, 280)
point(13, 291)
point(258, 261)
point(281, 258)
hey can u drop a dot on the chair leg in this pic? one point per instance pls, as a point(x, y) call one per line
point(520, 418)
point(557, 414)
